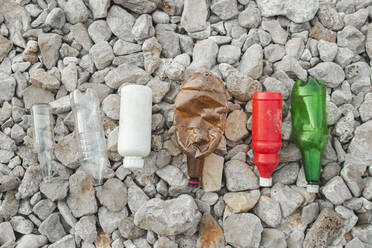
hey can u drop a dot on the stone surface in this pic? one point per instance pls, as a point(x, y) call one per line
point(242, 87)
point(351, 38)
point(126, 73)
point(243, 230)
point(293, 10)
point(49, 45)
point(251, 63)
point(210, 234)
point(331, 73)
point(268, 210)
point(120, 23)
point(324, 230)
point(52, 228)
point(138, 6)
point(241, 201)
point(102, 54)
point(240, 176)
point(212, 173)
point(278, 34)
point(42, 79)
point(81, 199)
point(194, 15)
point(236, 126)
point(273, 238)
point(113, 195)
point(336, 191)
point(185, 215)
point(288, 198)
point(85, 228)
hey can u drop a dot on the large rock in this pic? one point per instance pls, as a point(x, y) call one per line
point(126, 73)
point(80, 34)
point(243, 230)
point(268, 210)
point(324, 230)
point(336, 191)
point(169, 40)
point(236, 126)
point(33, 95)
point(297, 11)
point(288, 198)
point(66, 151)
point(102, 54)
point(242, 87)
point(32, 241)
point(113, 194)
point(210, 233)
point(7, 87)
point(49, 45)
point(331, 73)
point(225, 9)
point(351, 38)
point(273, 238)
point(67, 241)
point(204, 57)
point(5, 46)
point(121, 23)
point(42, 79)
point(154, 215)
point(52, 228)
point(212, 172)
point(194, 15)
point(251, 63)
point(30, 183)
point(278, 34)
point(81, 200)
point(136, 198)
point(240, 202)
point(138, 6)
point(76, 11)
point(240, 176)
point(361, 145)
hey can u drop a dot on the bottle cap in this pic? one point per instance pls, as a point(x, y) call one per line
point(266, 182)
point(133, 162)
point(312, 188)
point(194, 182)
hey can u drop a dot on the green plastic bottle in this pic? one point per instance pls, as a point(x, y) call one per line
point(309, 126)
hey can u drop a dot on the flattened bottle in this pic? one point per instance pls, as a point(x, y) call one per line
point(42, 123)
point(200, 118)
point(89, 133)
point(309, 126)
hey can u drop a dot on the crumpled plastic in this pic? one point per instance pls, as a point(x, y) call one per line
point(200, 118)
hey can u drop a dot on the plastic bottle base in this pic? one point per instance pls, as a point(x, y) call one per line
point(266, 182)
point(312, 188)
point(133, 162)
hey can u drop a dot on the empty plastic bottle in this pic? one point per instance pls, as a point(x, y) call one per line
point(309, 126)
point(42, 122)
point(135, 125)
point(89, 133)
point(266, 133)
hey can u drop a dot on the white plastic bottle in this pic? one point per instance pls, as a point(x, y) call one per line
point(135, 125)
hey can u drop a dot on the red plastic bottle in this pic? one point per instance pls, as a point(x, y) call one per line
point(266, 133)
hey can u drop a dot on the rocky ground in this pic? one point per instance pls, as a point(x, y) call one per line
point(48, 48)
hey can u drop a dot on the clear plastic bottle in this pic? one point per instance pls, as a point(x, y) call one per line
point(89, 133)
point(135, 125)
point(42, 122)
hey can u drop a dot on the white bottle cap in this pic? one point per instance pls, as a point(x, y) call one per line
point(133, 162)
point(312, 188)
point(266, 182)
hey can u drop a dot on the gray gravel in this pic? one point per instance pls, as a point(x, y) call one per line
point(49, 48)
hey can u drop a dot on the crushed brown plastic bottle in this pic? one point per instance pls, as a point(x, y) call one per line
point(200, 118)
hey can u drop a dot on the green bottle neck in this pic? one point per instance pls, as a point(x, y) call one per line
point(312, 159)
